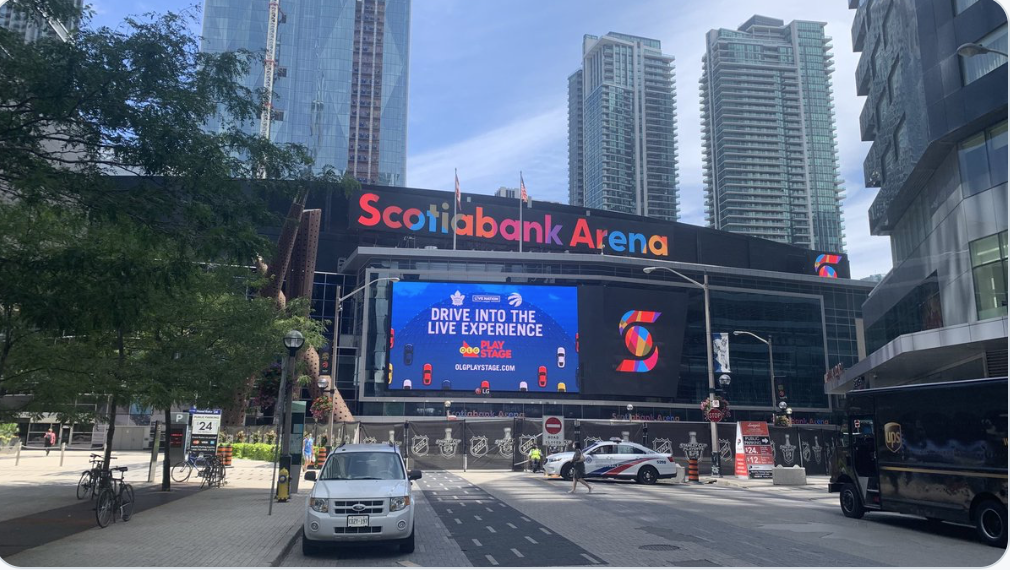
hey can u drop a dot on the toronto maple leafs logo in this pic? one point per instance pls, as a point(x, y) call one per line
point(662, 445)
point(505, 443)
point(478, 446)
point(457, 299)
point(693, 449)
point(447, 445)
point(788, 451)
point(419, 445)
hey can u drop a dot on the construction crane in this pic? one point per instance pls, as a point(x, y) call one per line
point(269, 68)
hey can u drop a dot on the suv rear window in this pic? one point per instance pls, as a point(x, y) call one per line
point(363, 465)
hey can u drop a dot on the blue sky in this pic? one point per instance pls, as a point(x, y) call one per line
point(488, 91)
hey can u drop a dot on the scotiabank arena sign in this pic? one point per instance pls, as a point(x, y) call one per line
point(551, 227)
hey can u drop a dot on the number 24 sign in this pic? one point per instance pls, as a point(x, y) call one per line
point(206, 424)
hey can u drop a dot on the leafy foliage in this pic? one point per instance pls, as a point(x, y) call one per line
point(133, 286)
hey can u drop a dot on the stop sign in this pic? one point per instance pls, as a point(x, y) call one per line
point(715, 415)
point(553, 425)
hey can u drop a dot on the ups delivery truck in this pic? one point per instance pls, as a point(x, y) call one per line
point(937, 451)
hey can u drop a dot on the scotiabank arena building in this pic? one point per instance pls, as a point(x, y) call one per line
point(566, 321)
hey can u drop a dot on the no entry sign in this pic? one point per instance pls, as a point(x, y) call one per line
point(554, 431)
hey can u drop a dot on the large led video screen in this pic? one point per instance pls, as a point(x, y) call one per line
point(632, 341)
point(483, 338)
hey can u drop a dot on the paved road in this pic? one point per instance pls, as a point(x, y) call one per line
point(625, 524)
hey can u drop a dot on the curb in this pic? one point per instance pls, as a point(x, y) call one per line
point(287, 548)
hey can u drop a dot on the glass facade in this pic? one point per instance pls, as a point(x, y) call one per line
point(769, 148)
point(812, 323)
point(622, 149)
point(976, 66)
point(341, 78)
point(989, 271)
point(943, 191)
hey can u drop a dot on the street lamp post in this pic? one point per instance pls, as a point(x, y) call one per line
point(328, 386)
point(716, 469)
point(973, 49)
point(336, 338)
point(771, 362)
point(293, 341)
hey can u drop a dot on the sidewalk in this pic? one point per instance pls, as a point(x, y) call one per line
point(225, 526)
point(814, 483)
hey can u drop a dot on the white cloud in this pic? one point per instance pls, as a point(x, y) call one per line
point(493, 159)
point(500, 105)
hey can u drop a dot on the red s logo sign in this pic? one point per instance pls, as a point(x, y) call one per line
point(639, 341)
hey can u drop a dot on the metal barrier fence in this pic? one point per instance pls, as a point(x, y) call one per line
point(504, 443)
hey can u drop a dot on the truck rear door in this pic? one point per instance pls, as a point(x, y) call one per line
point(864, 458)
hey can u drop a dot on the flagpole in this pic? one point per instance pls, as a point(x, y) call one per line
point(520, 211)
point(452, 222)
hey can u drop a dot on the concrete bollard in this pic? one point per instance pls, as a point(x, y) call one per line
point(789, 475)
point(17, 456)
point(63, 450)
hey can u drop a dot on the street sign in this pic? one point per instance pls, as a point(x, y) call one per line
point(716, 415)
point(554, 431)
point(180, 418)
point(754, 456)
point(204, 433)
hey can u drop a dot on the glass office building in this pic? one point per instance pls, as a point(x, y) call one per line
point(33, 27)
point(340, 82)
point(770, 289)
point(938, 122)
point(768, 131)
point(622, 138)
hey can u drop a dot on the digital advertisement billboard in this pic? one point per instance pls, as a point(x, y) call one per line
point(483, 338)
point(631, 341)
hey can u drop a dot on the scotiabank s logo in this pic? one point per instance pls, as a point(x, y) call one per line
point(639, 341)
point(823, 265)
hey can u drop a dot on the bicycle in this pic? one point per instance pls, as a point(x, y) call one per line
point(213, 474)
point(182, 470)
point(118, 497)
point(88, 483)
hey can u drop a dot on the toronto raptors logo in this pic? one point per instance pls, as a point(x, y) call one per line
point(505, 444)
point(817, 450)
point(693, 449)
point(478, 446)
point(419, 445)
point(662, 445)
point(805, 451)
point(788, 451)
point(447, 445)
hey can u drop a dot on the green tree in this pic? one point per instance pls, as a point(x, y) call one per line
point(93, 266)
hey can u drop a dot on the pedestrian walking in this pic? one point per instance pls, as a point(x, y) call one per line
point(50, 439)
point(579, 471)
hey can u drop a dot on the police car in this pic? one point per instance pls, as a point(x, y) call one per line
point(615, 460)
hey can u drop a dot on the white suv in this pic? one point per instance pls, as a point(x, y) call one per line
point(362, 494)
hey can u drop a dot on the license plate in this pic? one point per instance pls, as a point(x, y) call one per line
point(357, 520)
